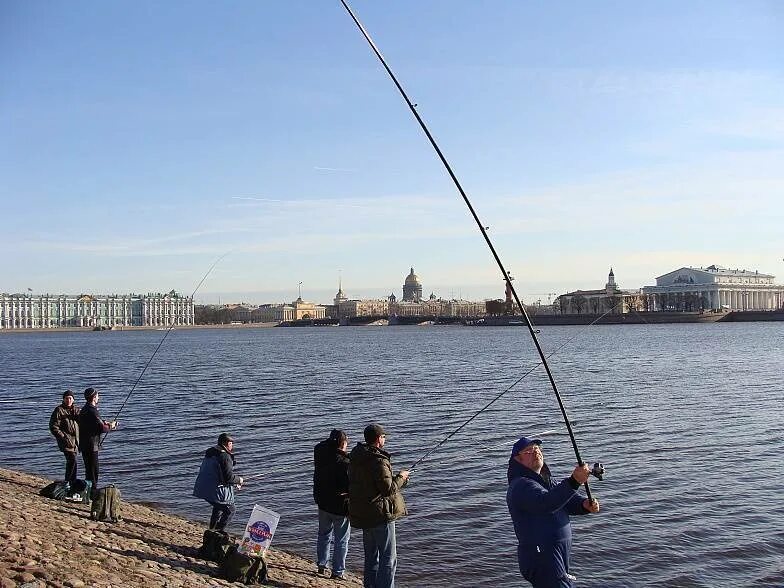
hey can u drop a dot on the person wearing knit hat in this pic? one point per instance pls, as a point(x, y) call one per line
point(330, 491)
point(216, 482)
point(91, 428)
point(64, 425)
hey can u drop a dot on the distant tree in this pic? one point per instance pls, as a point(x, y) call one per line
point(594, 304)
point(578, 303)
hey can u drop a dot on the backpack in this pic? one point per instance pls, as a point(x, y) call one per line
point(56, 490)
point(239, 567)
point(79, 491)
point(214, 545)
point(107, 505)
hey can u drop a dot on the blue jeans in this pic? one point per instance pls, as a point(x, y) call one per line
point(334, 529)
point(380, 556)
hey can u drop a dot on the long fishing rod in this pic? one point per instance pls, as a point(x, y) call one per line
point(160, 343)
point(482, 229)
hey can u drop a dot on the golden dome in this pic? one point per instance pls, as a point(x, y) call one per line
point(412, 278)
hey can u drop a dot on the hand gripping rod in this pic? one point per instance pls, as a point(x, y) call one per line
point(482, 229)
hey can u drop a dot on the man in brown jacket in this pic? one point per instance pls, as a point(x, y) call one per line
point(375, 503)
point(64, 425)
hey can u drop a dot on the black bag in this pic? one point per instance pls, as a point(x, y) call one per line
point(79, 491)
point(214, 545)
point(239, 567)
point(56, 490)
point(107, 505)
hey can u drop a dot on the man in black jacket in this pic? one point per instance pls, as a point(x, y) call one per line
point(217, 481)
point(91, 427)
point(330, 491)
point(64, 425)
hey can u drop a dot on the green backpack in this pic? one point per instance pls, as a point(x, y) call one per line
point(214, 545)
point(239, 567)
point(107, 505)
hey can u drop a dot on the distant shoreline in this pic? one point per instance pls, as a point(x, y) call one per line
point(737, 316)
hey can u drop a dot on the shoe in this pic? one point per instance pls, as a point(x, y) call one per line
point(322, 571)
point(335, 576)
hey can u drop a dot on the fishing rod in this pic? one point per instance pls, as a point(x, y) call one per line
point(482, 229)
point(160, 343)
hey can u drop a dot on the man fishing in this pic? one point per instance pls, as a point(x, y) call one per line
point(64, 425)
point(540, 510)
point(91, 427)
point(330, 491)
point(217, 481)
point(375, 502)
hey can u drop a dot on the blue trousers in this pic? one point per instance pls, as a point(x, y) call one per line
point(335, 530)
point(546, 565)
point(380, 556)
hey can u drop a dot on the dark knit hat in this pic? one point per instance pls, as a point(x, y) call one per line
point(373, 432)
point(337, 436)
point(90, 393)
point(224, 438)
point(67, 393)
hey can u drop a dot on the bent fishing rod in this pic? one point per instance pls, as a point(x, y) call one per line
point(482, 229)
point(160, 343)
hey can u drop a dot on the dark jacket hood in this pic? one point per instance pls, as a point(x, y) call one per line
point(364, 453)
point(217, 450)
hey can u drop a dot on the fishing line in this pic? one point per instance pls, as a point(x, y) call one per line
point(515, 383)
point(482, 229)
point(160, 343)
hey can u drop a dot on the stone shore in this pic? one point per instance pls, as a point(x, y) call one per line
point(55, 543)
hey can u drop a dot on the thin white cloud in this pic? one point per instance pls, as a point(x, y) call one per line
point(334, 169)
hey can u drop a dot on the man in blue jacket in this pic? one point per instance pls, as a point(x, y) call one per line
point(540, 510)
point(216, 481)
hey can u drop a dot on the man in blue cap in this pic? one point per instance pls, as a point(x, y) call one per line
point(540, 510)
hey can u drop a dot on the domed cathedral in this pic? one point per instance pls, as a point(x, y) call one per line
point(412, 288)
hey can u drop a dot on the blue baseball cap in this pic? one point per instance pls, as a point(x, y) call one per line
point(522, 443)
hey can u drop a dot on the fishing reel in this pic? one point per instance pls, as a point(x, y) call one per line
point(598, 470)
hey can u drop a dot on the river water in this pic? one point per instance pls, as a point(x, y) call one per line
point(687, 420)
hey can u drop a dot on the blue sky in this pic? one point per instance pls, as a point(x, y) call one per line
point(140, 141)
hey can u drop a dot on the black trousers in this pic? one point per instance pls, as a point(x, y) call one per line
point(221, 515)
point(91, 467)
point(70, 466)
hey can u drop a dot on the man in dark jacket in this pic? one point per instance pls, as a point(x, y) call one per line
point(64, 425)
point(540, 510)
point(330, 491)
point(375, 503)
point(216, 481)
point(91, 427)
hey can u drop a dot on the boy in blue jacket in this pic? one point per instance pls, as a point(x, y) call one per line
point(540, 510)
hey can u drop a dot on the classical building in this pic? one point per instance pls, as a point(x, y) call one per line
point(274, 313)
point(608, 299)
point(307, 310)
point(368, 307)
point(715, 287)
point(412, 288)
point(44, 311)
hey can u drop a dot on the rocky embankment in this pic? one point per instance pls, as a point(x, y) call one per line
point(55, 543)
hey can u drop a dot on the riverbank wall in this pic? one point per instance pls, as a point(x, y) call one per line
point(54, 543)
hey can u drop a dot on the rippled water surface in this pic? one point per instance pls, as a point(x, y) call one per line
point(686, 418)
